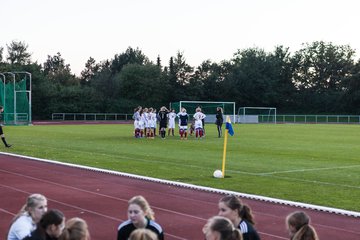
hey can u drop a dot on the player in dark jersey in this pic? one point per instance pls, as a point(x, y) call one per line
point(219, 120)
point(1, 130)
point(240, 215)
point(140, 216)
point(163, 121)
point(183, 123)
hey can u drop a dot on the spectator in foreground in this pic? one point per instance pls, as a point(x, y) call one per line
point(75, 229)
point(50, 227)
point(240, 215)
point(298, 225)
point(27, 218)
point(220, 228)
point(143, 234)
point(140, 216)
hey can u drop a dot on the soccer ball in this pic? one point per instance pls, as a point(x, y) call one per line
point(217, 174)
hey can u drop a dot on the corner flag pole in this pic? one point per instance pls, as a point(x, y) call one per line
point(225, 144)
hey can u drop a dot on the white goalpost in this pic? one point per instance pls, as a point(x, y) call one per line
point(256, 115)
point(208, 107)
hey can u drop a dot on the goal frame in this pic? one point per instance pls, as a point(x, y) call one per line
point(255, 108)
point(15, 117)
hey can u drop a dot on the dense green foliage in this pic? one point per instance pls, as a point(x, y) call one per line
point(316, 164)
point(319, 78)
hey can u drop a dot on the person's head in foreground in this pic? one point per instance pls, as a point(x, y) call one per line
point(298, 225)
point(221, 228)
point(75, 229)
point(139, 211)
point(143, 234)
point(36, 206)
point(28, 216)
point(232, 208)
point(50, 226)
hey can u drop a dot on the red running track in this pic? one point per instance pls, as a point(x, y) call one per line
point(101, 199)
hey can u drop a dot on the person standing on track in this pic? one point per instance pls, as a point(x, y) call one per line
point(27, 218)
point(240, 215)
point(298, 225)
point(1, 130)
point(140, 216)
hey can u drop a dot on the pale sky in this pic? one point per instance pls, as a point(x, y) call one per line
point(201, 29)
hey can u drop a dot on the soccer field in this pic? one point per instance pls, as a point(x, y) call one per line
point(317, 164)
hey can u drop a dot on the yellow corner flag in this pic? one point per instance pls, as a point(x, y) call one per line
point(229, 130)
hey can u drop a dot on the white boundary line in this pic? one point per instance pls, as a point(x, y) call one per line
point(201, 188)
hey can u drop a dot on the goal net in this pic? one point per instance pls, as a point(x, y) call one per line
point(209, 108)
point(15, 97)
point(256, 115)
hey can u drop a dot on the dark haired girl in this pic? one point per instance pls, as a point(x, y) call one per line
point(240, 215)
point(50, 227)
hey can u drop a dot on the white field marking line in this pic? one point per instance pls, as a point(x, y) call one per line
point(153, 207)
point(310, 169)
point(10, 213)
point(96, 213)
point(318, 182)
point(119, 157)
point(297, 179)
point(200, 188)
point(315, 224)
point(233, 171)
point(335, 228)
point(139, 159)
point(95, 193)
point(177, 212)
point(66, 204)
point(85, 210)
point(271, 235)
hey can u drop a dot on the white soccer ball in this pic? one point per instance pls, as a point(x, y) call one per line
point(217, 174)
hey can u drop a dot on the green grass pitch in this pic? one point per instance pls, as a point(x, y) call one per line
point(317, 164)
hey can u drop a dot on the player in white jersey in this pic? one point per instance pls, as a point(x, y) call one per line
point(145, 119)
point(171, 117)
point(199, 116)
point(151, 123)
point(142, 124)
point(156, 119)
point(137, 119)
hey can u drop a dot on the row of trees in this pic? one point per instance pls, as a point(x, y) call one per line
point(319, 78)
